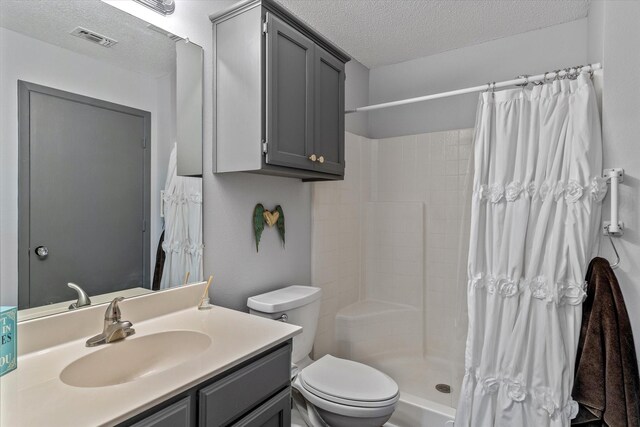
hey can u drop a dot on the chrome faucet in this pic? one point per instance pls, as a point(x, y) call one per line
point(114, 328)
point(83, 298)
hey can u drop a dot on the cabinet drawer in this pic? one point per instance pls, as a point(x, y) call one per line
point(176, 415)
point(229, 398)
point(275, 412)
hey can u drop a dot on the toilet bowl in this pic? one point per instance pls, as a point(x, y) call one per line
point(347, 393)
point(330, 391)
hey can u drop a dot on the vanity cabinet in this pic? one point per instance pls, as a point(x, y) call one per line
point(278, 95)
point(256, 393)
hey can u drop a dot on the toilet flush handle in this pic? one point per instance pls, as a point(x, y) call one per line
point(283, 318)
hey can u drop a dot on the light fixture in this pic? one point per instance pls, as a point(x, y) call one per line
point(163, 7)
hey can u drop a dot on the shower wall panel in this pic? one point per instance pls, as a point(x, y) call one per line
point(391, 236)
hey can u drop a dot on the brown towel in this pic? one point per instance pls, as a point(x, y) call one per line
point(607, 385)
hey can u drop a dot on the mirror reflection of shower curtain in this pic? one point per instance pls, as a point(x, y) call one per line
point(183, 227)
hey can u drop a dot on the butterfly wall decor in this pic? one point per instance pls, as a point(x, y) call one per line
point(261, 216)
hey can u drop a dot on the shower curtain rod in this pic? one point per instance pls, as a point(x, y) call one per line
point(521, 80)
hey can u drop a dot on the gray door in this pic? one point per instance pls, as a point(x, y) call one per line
point(84, 176)
point(289, 96)
point(329, 110)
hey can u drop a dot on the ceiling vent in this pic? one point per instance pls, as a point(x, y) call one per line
point(171, 36)
point(94, 37)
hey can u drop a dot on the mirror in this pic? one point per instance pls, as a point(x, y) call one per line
point(95, 106)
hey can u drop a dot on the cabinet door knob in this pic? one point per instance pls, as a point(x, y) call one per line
point(321, 159)
point(313, 158)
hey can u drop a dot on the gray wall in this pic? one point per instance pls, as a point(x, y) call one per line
point(533, 52)
point(621, 130)
point(230, 252)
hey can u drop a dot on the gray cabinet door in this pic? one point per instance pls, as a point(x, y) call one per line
point(176, 415)
point(329, 112)
point(289, 109)
point(275, 412)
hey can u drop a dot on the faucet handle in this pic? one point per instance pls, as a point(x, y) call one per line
point(113, 311)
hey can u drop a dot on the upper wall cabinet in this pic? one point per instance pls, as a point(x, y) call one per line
point(278, 95)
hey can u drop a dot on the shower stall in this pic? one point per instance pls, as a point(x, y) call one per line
point(390, 246)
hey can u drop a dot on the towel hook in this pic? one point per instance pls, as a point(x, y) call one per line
point(615, 264)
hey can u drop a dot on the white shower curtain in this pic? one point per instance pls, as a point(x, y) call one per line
point(537, 196)
point(183, 227)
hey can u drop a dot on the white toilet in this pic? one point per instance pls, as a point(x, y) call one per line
point(333, 391)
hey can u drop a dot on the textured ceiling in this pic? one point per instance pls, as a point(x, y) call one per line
point(375, 32)
point(139, 48)
point(382, 32)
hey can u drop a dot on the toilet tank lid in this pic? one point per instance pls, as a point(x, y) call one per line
point(284, 299)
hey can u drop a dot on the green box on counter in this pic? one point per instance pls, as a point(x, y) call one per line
point(8, 332)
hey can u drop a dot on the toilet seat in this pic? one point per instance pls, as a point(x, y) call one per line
point(347, 387)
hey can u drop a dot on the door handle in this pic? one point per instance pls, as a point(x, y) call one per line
point(42, 252)
point(313, 157)
point(321, 159)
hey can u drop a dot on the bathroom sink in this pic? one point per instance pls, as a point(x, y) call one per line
point(134, 358)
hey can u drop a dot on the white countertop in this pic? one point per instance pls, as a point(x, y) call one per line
point(34, 395)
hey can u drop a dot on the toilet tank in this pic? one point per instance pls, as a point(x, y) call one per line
point(298, 305)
